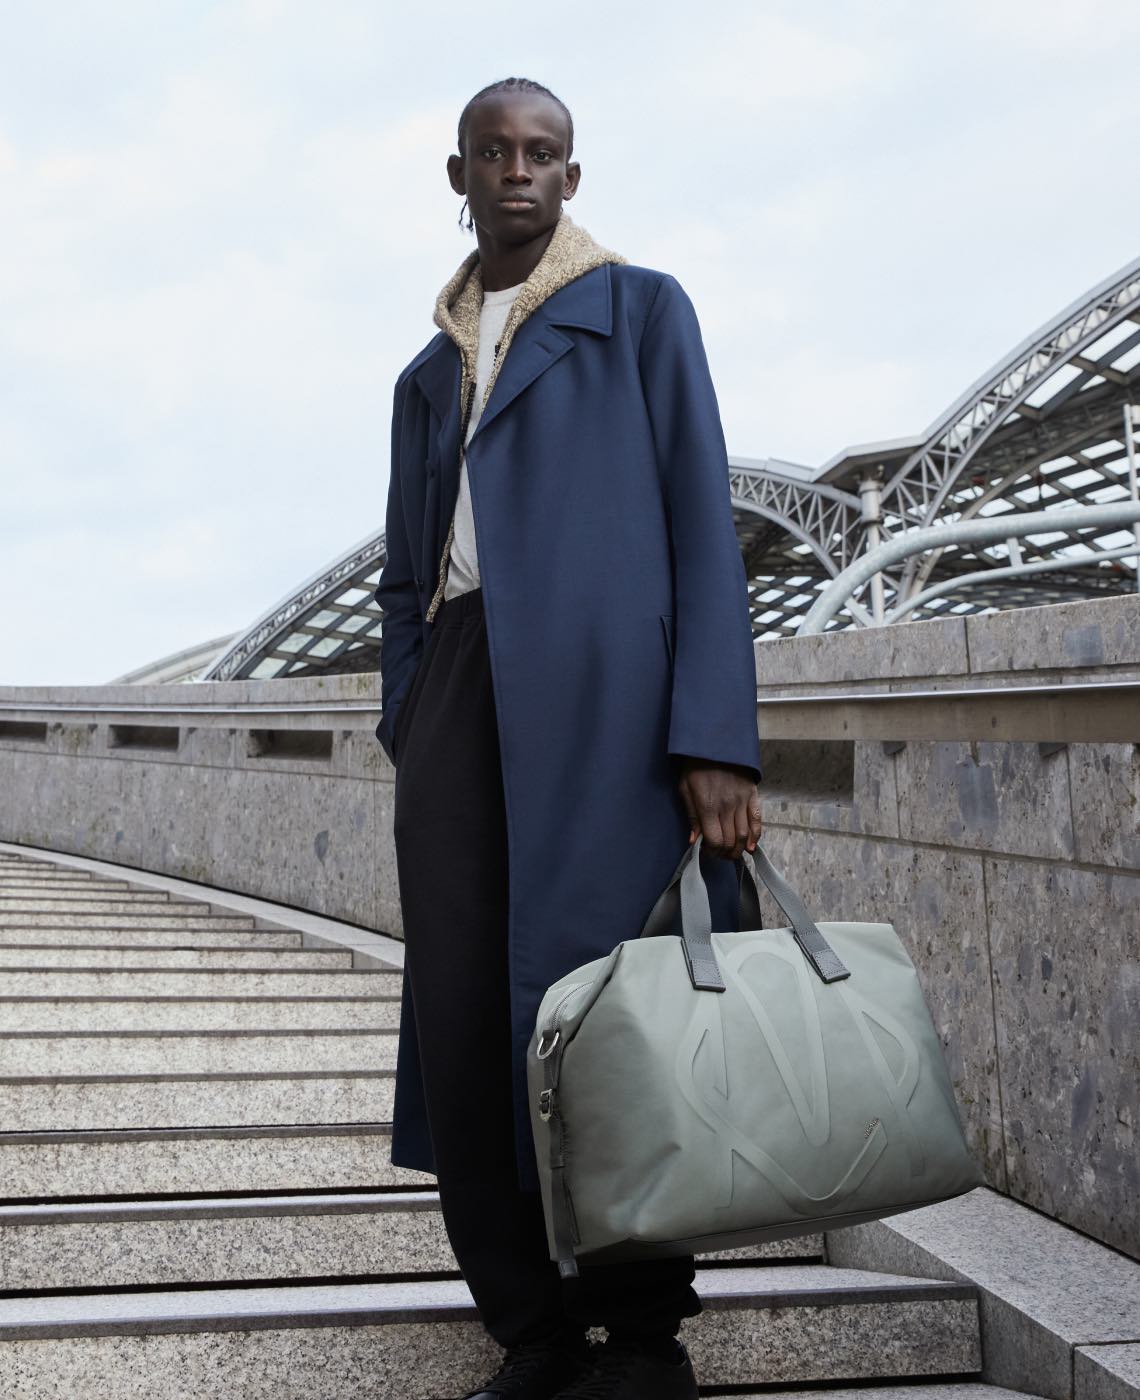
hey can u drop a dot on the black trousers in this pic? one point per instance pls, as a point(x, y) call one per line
point(451, 852)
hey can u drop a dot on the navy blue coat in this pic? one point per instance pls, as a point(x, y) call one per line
point(616, 613)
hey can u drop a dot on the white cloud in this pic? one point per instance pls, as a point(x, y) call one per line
point(223, 228)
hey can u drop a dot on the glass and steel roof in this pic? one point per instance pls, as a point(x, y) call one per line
point(1044, 426)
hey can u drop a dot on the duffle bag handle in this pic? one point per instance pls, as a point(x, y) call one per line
point(696, 917)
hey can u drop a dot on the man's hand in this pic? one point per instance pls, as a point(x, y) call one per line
point(723, 803)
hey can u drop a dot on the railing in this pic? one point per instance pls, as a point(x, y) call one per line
point(1004, 527)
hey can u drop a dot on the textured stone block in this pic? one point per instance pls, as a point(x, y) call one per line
point(871, 808)
point(1063, 637)
point(936, 647)
point(1042, 1288)
point(1065, 945)
point(1105, 782)
point(991, 797)
point(1107, 1372)
point(935, 901)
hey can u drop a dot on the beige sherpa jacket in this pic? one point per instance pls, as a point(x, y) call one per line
point(570, 253)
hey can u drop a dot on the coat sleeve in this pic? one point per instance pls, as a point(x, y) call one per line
point(713, 711)
point(401, 641)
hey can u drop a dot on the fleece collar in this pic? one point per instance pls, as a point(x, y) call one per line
point(570, 253)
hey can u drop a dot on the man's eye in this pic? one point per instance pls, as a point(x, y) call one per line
point(489, 151)
point(542, 155)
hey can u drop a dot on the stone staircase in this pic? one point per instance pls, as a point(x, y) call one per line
point(196, 1197)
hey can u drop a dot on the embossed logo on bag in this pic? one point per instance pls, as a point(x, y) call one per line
point(702, 1078)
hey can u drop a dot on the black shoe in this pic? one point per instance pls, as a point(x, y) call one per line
point(538, 1370)
point(624, 1370)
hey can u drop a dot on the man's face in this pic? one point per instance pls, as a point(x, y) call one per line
point(515, 171)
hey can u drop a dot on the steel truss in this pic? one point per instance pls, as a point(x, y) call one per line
point(1044, 425)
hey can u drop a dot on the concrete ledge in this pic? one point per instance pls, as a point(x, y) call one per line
point(1044, 1290)
point(1107, 1372)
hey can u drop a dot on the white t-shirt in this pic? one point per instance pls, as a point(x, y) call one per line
point(463, 566)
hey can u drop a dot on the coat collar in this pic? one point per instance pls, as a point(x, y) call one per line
point(557, 289)
point(570, 253)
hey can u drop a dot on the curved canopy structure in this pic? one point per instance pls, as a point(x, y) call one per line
point(185, 665)
point(1044, 426)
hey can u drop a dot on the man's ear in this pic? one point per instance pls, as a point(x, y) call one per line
point(455, 174)
point(573, 176)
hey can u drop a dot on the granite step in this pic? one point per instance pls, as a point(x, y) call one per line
point(216, 982)
point(203, 1013)
point(197, 1052)
point(113, 955)
point(226, 1239)
point(163, 1161)
point(35, 1103)
point(939, 1390)
point(151, 938)
point(68, 898)
point(64, 880)
point(1061, 1309)
point(794, 1324)
point(142, 917)
point(135, 909)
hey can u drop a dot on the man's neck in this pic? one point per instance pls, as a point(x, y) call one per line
point(506, 265)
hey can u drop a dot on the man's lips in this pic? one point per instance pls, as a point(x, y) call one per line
point(516, 199)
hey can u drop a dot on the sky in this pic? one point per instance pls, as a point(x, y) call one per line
point(223, 227)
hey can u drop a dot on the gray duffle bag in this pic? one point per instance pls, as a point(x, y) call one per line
point(712, 1090)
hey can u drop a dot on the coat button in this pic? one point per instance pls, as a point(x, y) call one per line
point(420, 584)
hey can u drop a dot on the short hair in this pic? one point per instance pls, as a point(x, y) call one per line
point(513, 85)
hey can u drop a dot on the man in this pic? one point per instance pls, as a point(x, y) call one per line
point(568, 695)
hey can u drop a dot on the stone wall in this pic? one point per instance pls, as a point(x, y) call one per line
point(1010, 869)
point(292, 802)
point(1012, 874)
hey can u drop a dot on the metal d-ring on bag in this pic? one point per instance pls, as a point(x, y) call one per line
point(717, 1089)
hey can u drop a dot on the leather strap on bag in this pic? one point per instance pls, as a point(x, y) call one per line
point(696, 917)
point(813, 945)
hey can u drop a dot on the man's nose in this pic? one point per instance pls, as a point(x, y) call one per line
point(516, 171)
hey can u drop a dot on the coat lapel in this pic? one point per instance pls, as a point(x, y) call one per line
point(586, 304)
point(438, 376)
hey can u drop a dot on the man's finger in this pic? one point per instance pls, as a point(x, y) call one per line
point(691, 811)
point(743, 829)
point(711, 829)
point(755, 821)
